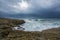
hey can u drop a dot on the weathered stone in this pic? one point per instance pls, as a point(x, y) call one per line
point(6, 27)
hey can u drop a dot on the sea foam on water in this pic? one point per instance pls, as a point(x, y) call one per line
point(40, 24)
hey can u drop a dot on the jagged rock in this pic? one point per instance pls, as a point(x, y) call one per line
point(10, 22)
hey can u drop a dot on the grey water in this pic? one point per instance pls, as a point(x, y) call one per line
point(37, 24)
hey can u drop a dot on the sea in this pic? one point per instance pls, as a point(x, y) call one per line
point(38, 24)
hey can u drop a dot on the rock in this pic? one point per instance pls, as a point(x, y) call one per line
point(52, 34)
point(10, 22)
point(5, 27)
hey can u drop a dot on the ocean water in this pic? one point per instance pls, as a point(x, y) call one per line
point(39, 24)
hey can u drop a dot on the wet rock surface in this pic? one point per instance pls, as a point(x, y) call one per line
point(6, 32)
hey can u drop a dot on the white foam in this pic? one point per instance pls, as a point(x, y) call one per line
point(38, 24)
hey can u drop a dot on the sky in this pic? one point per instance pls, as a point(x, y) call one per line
point(39, 7)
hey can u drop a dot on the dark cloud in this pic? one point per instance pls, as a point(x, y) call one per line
point(46, 8)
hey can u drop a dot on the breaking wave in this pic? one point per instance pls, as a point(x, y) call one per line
point(40, 24)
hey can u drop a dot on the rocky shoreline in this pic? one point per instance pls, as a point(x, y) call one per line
point(6, 26)
point(6, 32)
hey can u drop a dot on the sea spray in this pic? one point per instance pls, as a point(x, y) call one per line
point(40, 24)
